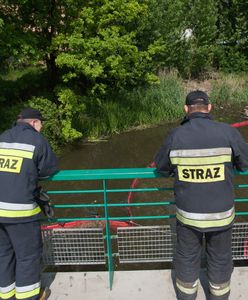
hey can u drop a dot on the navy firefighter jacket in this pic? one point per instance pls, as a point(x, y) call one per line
point(202, 154)
point(25, 156)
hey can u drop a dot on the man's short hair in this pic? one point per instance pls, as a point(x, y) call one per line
point(197, 108)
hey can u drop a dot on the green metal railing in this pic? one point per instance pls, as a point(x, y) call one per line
point(104, 176)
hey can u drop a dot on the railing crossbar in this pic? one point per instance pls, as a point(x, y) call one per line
point(108, 191)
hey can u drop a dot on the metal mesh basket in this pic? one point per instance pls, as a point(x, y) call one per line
point(78, 246)
point(145, 244)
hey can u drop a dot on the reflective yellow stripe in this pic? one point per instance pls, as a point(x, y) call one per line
point(218, 290)
point(200, 160)
point(19, 153)
point(187, 290)
point(204, 223)
point(28, 294)
point(7, 295)
point(19, 213)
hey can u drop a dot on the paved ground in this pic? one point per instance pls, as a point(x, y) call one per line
point(131, 285)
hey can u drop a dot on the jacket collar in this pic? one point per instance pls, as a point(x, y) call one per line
point(24, 125)
point(196, 115)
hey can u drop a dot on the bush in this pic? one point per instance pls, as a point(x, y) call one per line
point(58, 128)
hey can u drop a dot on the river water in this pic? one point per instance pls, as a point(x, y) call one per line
point(131, 149)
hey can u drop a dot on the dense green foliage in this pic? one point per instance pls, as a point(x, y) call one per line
point(99, 67)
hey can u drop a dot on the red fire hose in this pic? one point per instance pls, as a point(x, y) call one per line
point(87, 224)
point(240, 124)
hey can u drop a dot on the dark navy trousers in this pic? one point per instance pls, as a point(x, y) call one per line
point(189, 253)
point(20, 260)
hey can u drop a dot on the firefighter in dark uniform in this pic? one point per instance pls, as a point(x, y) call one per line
point(25, 156)
point(202, 154)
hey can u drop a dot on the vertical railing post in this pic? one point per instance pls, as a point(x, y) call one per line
point(108, 237)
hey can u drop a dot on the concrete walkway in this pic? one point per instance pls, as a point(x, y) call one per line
point(131, 285)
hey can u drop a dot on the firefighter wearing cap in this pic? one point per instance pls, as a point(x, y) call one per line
point(25, 155)
point(202, 154)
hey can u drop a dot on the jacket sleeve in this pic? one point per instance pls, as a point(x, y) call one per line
point(240, 152)
point(162, 159)
point(47, 160)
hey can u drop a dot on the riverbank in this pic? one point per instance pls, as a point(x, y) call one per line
point(163, 103)
point(93, 119)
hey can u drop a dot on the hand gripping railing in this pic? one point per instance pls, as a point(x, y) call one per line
point(114, 175)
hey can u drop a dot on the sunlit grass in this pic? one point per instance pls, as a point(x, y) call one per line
point(139, 108)
point(13, 75)
point(230, 89)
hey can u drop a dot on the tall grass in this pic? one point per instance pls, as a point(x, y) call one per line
point(141, 107)
point(163, 102)
point(230, 89)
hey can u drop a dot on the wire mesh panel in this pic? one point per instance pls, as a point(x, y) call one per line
point(145, 244)
point(78, 246)
point(240, 241)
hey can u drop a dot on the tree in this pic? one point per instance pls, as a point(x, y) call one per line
point(189, 32)
point(102, 47)
point(29, 30)
point(88, 48)
point(232, 35)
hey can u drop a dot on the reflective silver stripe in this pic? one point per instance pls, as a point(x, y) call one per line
point(219, 289)
point(7, 289)
point(206, 223)
point(200, 152)
point(14, 206)
point(17, 146)
point(27, 288)
point(186, 287)
point(207, 216)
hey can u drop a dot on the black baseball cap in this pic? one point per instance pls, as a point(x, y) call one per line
point(197, 97)
point(30, 113)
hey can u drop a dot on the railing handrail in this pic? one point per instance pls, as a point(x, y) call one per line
point(99, 174)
